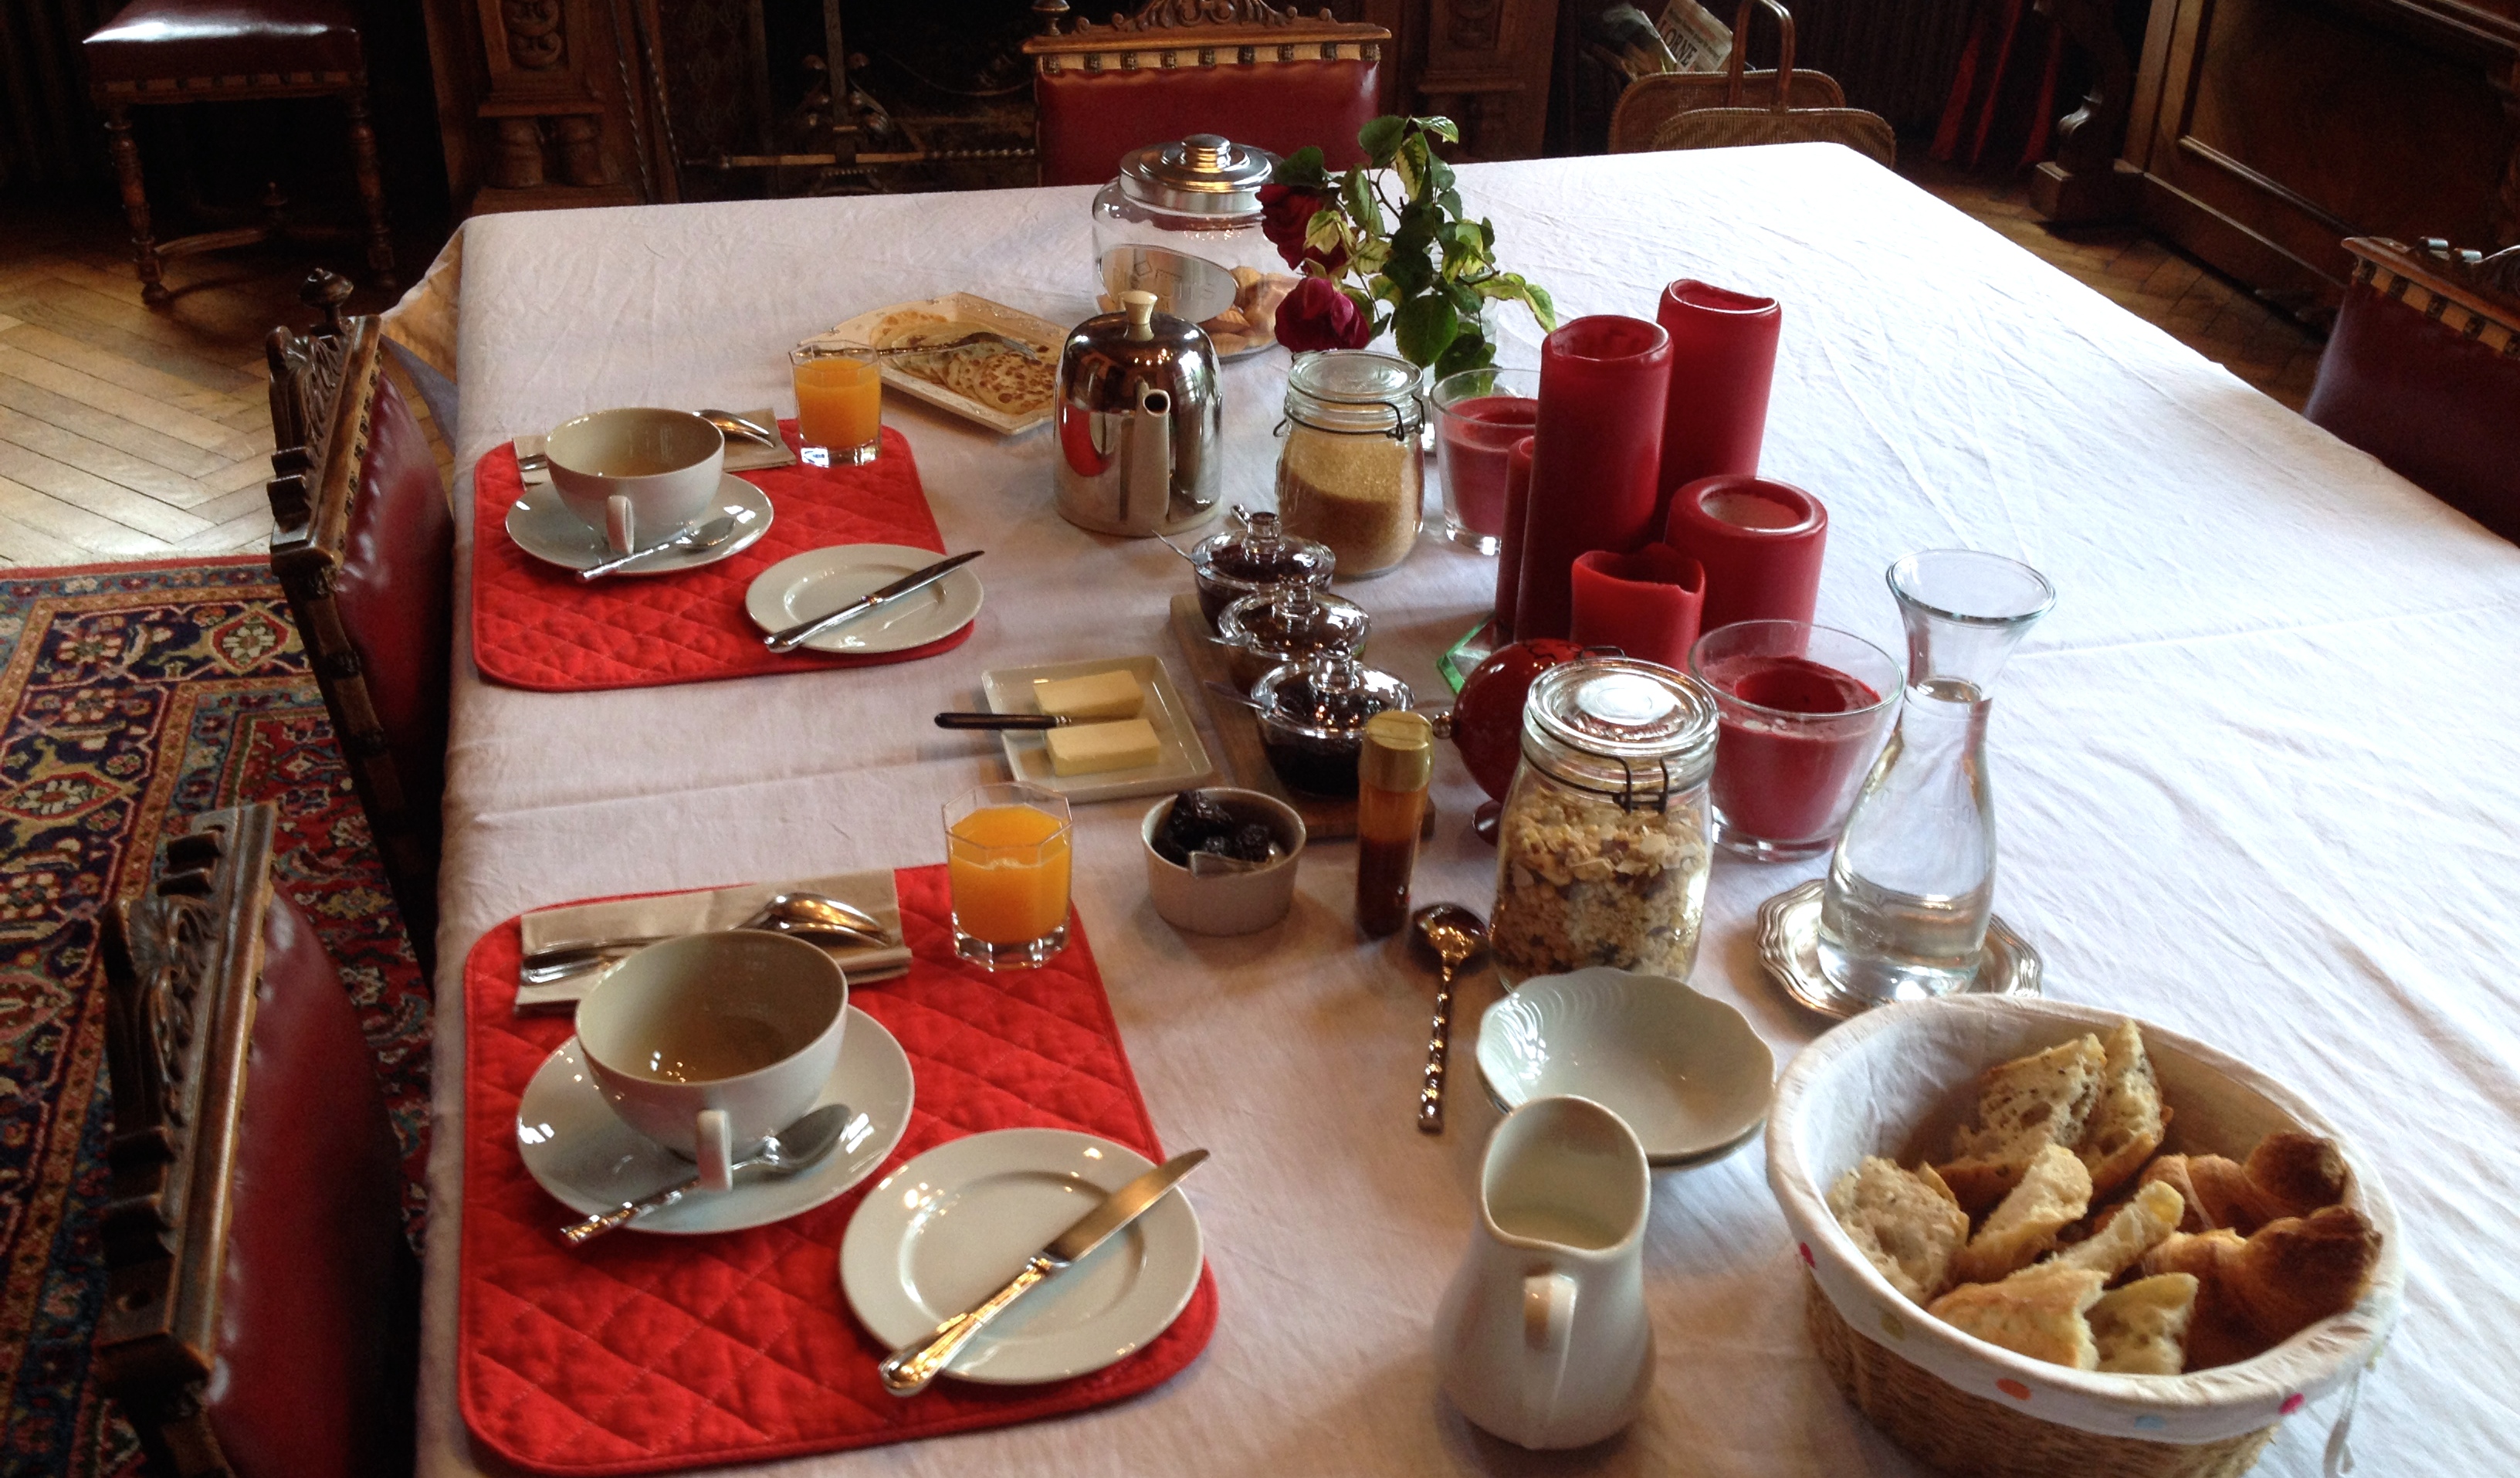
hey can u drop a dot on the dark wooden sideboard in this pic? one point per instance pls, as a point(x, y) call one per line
point(2265, 132)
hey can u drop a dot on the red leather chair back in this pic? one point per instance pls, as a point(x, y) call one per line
point(395, 587)
point(2427, 383)
point(1089, 120)
point(310, 1381)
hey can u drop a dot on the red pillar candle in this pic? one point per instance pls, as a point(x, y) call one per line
point(1723, 360)
point(1760, 541)
point(1596, 451)
point(1517, 498)
point(1645, 604)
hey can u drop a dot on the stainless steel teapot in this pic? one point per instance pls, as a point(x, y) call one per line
point(1139, 420)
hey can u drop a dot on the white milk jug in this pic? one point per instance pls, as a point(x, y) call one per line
point(1543, 1339)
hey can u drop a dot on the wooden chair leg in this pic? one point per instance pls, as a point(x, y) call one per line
point(372, 188)
point(135, 204)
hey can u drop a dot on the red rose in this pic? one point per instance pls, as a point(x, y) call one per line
point(1316, 315)
point(1285, 215)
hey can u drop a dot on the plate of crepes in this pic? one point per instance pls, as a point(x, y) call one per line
point(2034, 1230)
point(988, 382)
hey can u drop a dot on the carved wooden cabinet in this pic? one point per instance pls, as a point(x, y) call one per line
point(2265, 132)
point(549, 103)
point(1484, 64)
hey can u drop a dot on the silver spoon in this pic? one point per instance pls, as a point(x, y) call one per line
point(824, 912)
point(743, 426)
point(985, 335)
point(1448, 936)
point(809, 916)
point(705, 536)
point(1233, 695)
point(793, 1148)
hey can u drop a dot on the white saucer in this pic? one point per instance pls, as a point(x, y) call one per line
point(1685, 1070)
point(944, 1231)
point(543, 526)
point(821, 581)
point(589, 1160)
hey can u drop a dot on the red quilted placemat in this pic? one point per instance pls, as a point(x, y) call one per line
point(640, 1354)
point(538, 626)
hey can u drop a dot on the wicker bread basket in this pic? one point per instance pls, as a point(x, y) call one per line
point(1893, 1083)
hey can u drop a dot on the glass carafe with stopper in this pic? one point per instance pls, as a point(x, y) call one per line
point(1911, 883)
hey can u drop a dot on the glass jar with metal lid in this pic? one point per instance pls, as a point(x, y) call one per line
point(1183, 221)
point(1289, 623)
point(1313, 715)
point(1602, 850)
point(1352, 473)
point(1253, 554)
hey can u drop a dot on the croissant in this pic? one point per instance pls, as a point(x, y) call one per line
point(2256, 1291)
point(2288, 1175)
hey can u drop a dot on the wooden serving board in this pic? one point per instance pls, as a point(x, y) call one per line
point(1237, 733)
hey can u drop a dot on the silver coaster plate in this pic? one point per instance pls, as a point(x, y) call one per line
point(1790, 948)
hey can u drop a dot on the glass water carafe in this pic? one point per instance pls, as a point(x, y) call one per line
point(1911, 883)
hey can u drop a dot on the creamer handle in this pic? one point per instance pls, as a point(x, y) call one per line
point(1548, 1325)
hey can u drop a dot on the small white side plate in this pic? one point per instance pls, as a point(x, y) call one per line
point(947, 1230)
point(1685, 1070)
point(1181, 760)
point(580, 1151)
point(543, 526)
point(820, 581)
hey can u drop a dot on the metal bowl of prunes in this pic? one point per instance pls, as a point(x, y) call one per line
point(1312, 718)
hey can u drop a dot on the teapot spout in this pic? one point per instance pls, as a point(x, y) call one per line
point(1149, 491)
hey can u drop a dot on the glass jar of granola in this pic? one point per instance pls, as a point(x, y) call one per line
point(1601, 851)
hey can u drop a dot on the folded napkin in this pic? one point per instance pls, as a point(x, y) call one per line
point(703, 912)
point(742, 453)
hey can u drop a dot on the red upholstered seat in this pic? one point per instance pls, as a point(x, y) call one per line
point(169, 40)
point(1090, 119)
point(311, 1381)
point(2424, 372)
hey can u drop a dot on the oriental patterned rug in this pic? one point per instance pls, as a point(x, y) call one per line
point(132, 697)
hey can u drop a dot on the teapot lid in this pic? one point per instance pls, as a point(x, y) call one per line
point(1330, 694)
point(1204, 174)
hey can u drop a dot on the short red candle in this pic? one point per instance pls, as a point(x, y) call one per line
point(1797, 730)
point(1517, 501)
point(1760, 541)
point(1645, 603)
point(1722, 362)
point(1598, 450)
point(1478, 434)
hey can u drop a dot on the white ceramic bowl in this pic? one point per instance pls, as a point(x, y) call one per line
point(1227, 903)
point(1892, 1081)
point(666, 465)
point(1686, 1071)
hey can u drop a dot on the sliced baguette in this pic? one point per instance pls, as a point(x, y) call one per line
point(1906, 1222)
point(2141, 1328)
point(2023, 1106)
point(2128, 1234)
point(2040, 1315)
point(2053, 1191)
point(2127, 1117)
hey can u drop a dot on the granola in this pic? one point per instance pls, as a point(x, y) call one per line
point(1582, 882)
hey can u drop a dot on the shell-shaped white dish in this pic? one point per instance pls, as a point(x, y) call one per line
point(1685, 1070)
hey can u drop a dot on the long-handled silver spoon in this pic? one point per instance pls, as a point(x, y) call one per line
point(793, 1149)
point(707, 535)
point(1448, 936)
point(811, 917)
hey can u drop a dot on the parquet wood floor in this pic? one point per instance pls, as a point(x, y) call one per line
point(128, 434)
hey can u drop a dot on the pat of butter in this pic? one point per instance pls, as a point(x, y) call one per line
point(1092, 748)
point(1096, 696)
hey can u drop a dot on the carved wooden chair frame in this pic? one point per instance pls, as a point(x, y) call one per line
point(323, 395)
point(182, 962)
point(1176, 33)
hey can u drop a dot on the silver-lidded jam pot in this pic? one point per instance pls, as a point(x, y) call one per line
point(1252, 553)
point(1140, 421)
point(1312, 718)
point(1289, 623)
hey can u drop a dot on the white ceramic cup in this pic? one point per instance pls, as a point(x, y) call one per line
point(637, 476)
point(711, 1043)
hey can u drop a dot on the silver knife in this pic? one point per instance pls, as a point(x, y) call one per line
point(908, 1369)
point(798, 635)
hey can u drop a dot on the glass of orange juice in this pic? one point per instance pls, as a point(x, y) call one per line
point(839, 402)
point(1007, 857)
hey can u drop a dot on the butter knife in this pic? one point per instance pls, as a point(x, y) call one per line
point(910, 584)
point(908, 1370)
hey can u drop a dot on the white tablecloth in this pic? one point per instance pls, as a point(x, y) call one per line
point(2256, 783)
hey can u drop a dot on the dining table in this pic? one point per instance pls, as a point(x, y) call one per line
point(2257, 780)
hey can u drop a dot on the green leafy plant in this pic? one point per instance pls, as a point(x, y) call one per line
point(1389, 237)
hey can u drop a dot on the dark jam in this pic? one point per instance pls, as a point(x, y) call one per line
point(1315, 767)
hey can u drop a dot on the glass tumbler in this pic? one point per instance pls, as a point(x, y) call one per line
point(1803, 711)
point(1479, 415)
point(839, 402)
point(1006, 854)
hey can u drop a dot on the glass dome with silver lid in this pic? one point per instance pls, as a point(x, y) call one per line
point(1311, 718)
point(1181, 220)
